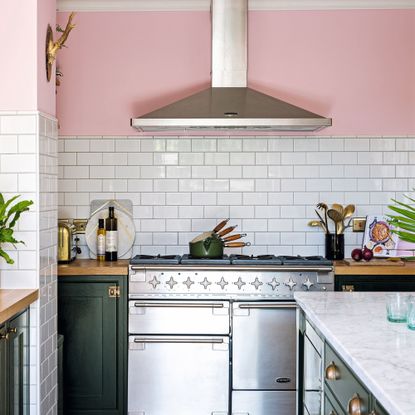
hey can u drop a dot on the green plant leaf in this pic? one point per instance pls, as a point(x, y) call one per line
point(1, 200)
point(405, 236)
point(6, 257)
point(399, 218)
point(405, 205)
point(17, 210)
point(5, 206)
point(404, 225)
point(403, 212)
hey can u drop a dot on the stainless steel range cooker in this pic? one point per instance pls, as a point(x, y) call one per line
point(216, 337)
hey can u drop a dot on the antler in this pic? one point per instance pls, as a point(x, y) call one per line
point(53, 47)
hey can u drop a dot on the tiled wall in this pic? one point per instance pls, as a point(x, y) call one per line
point(268, 186)
point(28, 166)
point(48, 218)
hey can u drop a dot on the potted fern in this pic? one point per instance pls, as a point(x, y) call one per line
point(9, 215)
point(403, 220)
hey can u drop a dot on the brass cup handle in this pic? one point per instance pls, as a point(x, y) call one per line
point(4, 336)
point(355, 406)
point(332, 413)
point(332, 372)
point(12, 330)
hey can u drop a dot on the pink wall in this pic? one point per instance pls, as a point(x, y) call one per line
point(18, 55)
point(23, 85)
point(356, 66)
point(46, 97)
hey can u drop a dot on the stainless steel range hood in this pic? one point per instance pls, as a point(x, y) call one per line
point(229, 104)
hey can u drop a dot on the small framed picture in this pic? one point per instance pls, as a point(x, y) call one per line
point(379, 238)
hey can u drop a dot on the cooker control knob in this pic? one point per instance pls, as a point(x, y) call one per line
point(273, 284)
point(205, 283)
point(257, 283)
point(308, 284)
point(240, 283)
point(188, 283)
point(171, 283)
point(222, 283)
point(290, 283)
point(154, 282)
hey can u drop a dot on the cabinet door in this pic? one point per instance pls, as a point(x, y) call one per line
point(91, 323)
point(3, 371)
point(18, 358)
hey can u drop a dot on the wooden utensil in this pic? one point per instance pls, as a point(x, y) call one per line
point(220, 225)
point(234, 237)
point(227, 230)
point(237, 244)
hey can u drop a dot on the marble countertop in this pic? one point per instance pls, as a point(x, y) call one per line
point(382, 354)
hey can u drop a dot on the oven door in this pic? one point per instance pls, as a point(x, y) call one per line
point(264, 345)
point(178, 317)
point(178, 375)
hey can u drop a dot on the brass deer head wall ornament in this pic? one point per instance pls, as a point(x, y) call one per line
point(53, 47)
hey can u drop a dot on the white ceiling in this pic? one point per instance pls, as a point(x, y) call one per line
point(192, 5)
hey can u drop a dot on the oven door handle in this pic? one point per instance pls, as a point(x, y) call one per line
point(178, 340)
point(180, 305)
point(290, 304)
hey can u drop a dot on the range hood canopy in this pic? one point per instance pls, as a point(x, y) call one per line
point(229, 104)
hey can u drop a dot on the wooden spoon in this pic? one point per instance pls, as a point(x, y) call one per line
point(234, 237)
point(226, 231)
point(220, 225)
point(237, 244)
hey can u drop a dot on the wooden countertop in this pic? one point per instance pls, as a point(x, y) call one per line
point(93, 267)
point(12, 301)
point(342, 268)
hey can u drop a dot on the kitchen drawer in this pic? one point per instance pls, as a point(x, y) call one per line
point(178, 317)
point(343, 383)
point(331, 406)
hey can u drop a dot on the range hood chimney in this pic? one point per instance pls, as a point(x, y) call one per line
point(229, 104)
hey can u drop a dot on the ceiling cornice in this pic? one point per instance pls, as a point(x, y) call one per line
point(203, 5)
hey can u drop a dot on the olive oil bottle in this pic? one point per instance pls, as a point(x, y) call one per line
point(111, 236)
point(101, 240)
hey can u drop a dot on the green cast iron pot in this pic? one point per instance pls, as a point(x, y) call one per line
point(211, 247)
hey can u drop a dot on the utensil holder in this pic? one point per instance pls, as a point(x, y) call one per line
point(334, 246)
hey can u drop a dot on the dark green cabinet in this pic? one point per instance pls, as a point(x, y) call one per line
point(14, 366)
point(93, 320)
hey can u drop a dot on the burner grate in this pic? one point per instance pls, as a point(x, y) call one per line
point(155, 259)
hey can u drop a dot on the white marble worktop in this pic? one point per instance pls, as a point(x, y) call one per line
point(382, 354)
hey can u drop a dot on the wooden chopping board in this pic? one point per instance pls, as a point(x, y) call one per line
point(375, 262)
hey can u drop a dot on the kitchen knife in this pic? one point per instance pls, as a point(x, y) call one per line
point(237, 244)
point(234, 237)
point(220, 225)
point(227, 230)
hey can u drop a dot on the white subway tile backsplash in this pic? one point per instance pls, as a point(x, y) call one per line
point(18, 163)
point(162, 159)
point(203, 172)
point(127, 145)
point(103, 145)
point(217, 159)
point(179, 172)
point(184, 185)
point(108, 172)
point(230, 144)
point(8, 144)
point(374, 157)
point(255, 144)
point(191, 159)
point(21, 124)
point(242, 185)
point(8, 182)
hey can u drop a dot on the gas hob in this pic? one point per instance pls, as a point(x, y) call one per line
point(235, 277)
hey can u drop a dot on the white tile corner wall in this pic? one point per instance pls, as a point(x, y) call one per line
point(181, 186)
point(28, 166)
